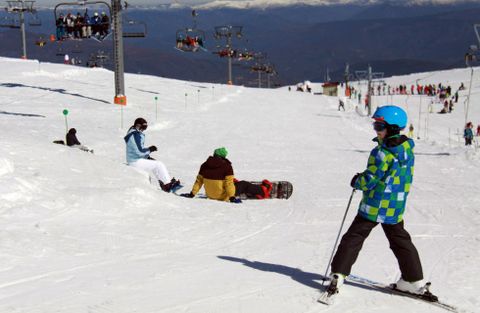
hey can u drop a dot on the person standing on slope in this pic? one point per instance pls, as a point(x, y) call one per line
point(385, 184)
point(138, 156)
point(468, 133)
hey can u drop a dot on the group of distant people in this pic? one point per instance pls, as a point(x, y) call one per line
point(430, 90)
point(82, 26)
point(232, 53)
point(190, 43)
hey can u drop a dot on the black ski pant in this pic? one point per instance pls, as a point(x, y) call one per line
point(400, 243)
point(248, 189)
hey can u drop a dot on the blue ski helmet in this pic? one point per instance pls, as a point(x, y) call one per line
point(392, 115)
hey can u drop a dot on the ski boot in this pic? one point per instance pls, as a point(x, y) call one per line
point(170, 186)
point(328, 296)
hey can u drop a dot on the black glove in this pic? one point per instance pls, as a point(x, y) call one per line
point(235, 200)
point(152, 148)
point(354, 180)
point(187, 195)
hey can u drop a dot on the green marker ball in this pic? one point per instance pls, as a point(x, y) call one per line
point(65, 112)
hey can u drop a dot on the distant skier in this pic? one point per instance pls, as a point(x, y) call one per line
point(341, 105)
point(216, 176)
point(385, 184)
point(410, 131)
point(468, 133)
point(138, 156)
point(450, 106)
point(73, 142)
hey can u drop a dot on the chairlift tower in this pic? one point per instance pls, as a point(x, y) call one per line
point(271, 71)
point(120, 97)
point(228, 32)
point(21, 7)
point(369, 75)
point(346, 75)
point(259, 58)
point(471, 57)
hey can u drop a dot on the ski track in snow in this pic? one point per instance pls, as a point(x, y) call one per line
point(85, 233)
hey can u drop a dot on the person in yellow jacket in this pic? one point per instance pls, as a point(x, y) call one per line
point(216, 176)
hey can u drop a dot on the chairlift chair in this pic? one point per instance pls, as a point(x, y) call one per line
point(86, 5)
point(9, 22)
point(228, 31)
point(134, 29)
point(190, 39)
point(15, 6)
point(245, 55)
point(35, 20)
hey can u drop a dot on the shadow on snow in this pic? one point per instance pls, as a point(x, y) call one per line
point(21, 114)
point(305, 278)
point(62, 91)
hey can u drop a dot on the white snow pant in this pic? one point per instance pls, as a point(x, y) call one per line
point(157, 168)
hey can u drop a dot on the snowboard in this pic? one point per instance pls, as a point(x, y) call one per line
point(280, 190)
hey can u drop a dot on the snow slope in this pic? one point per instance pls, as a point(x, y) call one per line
point(83, 232)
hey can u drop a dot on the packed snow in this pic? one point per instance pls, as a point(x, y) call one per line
point(82, 232)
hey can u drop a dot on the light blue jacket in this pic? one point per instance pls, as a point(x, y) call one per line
point(135, 150)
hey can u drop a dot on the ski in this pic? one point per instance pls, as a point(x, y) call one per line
point(426, 297)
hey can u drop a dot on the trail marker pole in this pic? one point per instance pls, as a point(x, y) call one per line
point(156, 109)
point(65, 113)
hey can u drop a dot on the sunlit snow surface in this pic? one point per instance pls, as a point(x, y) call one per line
point(83, 232)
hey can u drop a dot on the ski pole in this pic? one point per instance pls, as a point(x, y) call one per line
point(338, 236)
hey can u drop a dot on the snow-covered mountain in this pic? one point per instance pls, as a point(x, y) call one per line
point(83, 232)
point(248, 4)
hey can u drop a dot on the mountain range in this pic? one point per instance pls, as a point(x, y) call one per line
point(302, 41)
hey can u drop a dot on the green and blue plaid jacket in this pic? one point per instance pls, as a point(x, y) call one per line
point(386, 181)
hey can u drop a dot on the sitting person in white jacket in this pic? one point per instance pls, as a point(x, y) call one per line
point(138, 156)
